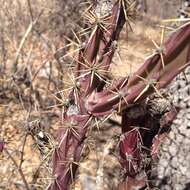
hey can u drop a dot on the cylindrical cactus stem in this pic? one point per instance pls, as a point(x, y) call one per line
point(149, 78)
point(94, 97)
point(95, 59)
point(144, 128)
point(91, 71)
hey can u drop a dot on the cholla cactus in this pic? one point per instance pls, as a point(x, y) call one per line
point(146, 111)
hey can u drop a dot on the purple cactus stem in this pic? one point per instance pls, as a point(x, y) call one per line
point(96, 97)
point(2, 144)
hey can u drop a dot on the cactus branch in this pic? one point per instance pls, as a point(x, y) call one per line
point(94, 97)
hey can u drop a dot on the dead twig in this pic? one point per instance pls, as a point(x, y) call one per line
point(18, 168)
point(23, 40)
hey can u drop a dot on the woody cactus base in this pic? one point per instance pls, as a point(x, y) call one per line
point(146, 111)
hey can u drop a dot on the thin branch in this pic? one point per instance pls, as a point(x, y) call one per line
point(22, 42)
point(22, 150)
point(30, 10)
point(18, 168)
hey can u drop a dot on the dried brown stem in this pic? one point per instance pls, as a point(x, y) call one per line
point(18, 168)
